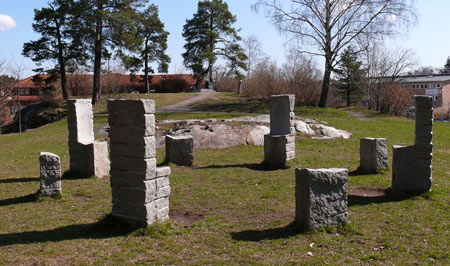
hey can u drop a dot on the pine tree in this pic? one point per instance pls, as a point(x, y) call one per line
point(349, 75)
point(154, 44)
point(60, 41)
point(209, 35)
point(109, 25)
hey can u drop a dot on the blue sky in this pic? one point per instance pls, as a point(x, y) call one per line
point(429, 38)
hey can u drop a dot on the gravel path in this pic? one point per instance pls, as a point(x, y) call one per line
point(183, 107)
point(359, 116)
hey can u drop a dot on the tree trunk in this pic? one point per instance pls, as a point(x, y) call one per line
point(97, 54)
point(62, 65)
point(325, 85)
point(147, 85)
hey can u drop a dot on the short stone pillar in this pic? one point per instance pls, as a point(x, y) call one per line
point(411, 165)
point(180, 150)
point(50, 174)
point(279, 145)
point(320, 197)
point(87, 156)
point(140, 190)
point(373, 154)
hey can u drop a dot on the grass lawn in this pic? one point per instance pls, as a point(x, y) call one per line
point(226, 209)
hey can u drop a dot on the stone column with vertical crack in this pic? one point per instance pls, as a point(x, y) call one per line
point(279, 145)
point(140, 190)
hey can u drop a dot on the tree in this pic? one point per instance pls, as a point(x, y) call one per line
point(327, 26)
point(60, 41)
point(253, 51)
point(209, 35)
point(109, 25)
point(151, 30)
point(446, 69)
point(350, 76)
point(383, 69)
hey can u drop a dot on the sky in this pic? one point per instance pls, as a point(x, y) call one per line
point(429, 38)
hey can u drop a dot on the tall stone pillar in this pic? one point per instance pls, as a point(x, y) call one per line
point(140, 190)
point(87, 156)
point(411, 165)
point(279, 145)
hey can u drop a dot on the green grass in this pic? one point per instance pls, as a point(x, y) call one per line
point(226, 209)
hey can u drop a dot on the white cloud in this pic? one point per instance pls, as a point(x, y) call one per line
point(6, 23)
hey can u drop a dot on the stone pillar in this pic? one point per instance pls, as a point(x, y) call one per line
point(411, 165)
point(140, 191)
point(279, 145)
point(373, 154)
point(180, 149)
point(86, 155)
point(320, 197)
point(50, 174)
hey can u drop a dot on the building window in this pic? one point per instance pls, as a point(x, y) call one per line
point(426, 86)
point(435, 98)
point(438, 85)
point(13, 111)
point(40, 92)
point(421, 86)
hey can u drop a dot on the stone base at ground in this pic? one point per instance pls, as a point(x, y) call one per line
point(320, 197)
point(373, 154)
point(278, 149)
point(50, 174)
point(180, 149)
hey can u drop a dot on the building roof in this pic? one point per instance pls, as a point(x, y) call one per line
point(425, 78)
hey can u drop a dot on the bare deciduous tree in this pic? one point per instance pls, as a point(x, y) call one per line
point(325, 27)
point(253, 50)
point(384, 67)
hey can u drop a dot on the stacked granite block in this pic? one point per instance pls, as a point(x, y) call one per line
point(279, 145)
point(411, 165)
point(140, 191)
point(180, 149)
point(373, 154)
point(87, 156)
point(320, 197)
point(50, 174)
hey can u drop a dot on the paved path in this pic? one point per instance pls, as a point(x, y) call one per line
point(359, 116)
point(183, 107)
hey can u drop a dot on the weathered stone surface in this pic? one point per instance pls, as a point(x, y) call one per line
point(132, 120)
point(373, 154)
point(142, 106)
point(101, 159)
point(327, 132)
point(163, 171)
point(134, 212)
point(303, 128)
point(411, 166)
point(320, 197)
point(256, 135)
point(144, 194)
point(135, 165)
point(281, 119)
point(50, 174)
point(278, 149)
point(180, 149)
point(146, 151)
point(80, 121)
point(130, 135)
point(139, 188)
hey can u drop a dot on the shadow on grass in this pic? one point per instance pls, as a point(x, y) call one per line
point(68, 175)
point(105, 228)
point(251, 166)
point(23, 199)
point(268, 234)
point(359, 200)
point(19, 180)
